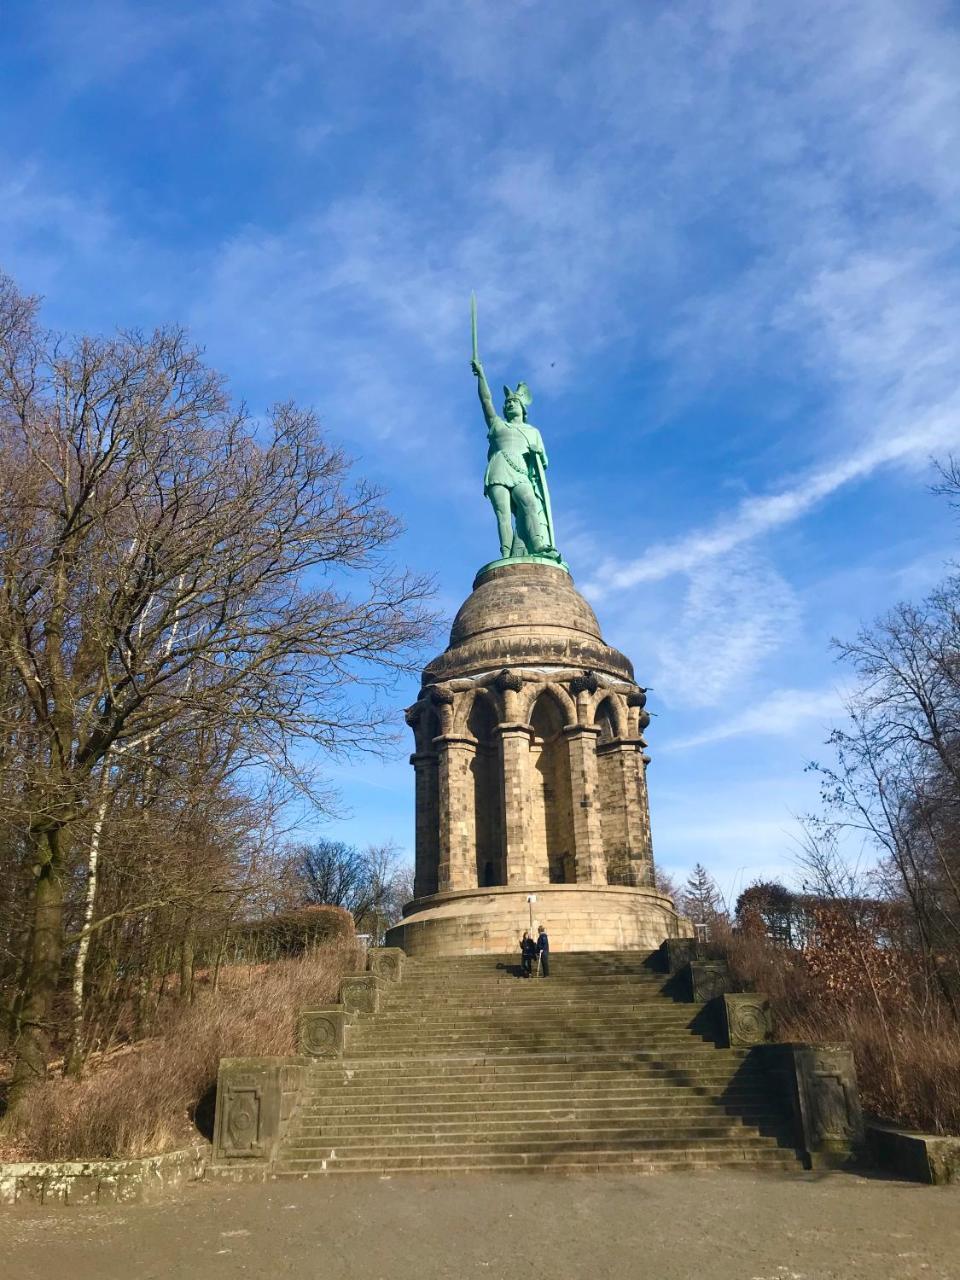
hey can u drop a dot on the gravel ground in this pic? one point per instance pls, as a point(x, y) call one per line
point(704, 1226)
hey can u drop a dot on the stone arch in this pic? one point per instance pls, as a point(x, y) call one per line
point(608, 715)
point(532, 694)
point(426, 727)
point(465, 708)
point(551, 799)
point(487, 797)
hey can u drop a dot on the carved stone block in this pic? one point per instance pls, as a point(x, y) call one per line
point(249, 1116)
point(386, 962)
point(829, 1101)
point(360, 994)
point(819, 1082)
point(321, 1032)
point(242, 1125)
point(748, 1019)
point(677, 953)
point(708, 980)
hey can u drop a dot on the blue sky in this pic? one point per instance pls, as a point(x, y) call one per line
point(719, 240)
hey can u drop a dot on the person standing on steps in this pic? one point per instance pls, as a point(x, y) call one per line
point(528, 952)
point(543, 950)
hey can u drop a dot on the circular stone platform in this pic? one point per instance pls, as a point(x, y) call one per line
point(577, 917)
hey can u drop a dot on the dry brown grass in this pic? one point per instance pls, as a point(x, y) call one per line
point(907, 1050)
point(144, 1099)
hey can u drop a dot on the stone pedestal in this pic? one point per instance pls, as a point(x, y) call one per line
point(530, 772)
point(578, 918)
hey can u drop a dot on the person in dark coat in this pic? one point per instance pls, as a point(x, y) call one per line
point(543, 951)
point(528, 953)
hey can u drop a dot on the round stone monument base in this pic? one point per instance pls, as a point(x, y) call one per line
point(578, 917)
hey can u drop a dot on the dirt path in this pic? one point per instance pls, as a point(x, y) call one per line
point(711, 1226)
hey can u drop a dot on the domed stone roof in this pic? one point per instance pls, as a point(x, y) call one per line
point(525, 614)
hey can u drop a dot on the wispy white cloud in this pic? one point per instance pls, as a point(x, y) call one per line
point(757, 516)
point(783, 713)
point(733, 616)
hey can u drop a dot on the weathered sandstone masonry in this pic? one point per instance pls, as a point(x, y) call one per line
point(530, 767)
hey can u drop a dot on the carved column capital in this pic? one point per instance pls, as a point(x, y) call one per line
point(586, 682)
point(507, 679)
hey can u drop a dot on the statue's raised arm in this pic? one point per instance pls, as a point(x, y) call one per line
point(515, 480)
point(486, 399)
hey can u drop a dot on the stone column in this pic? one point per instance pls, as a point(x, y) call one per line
point(514, 763)
point(585, 794)
point(427, 830)
point(458, 838)
point(631, 829)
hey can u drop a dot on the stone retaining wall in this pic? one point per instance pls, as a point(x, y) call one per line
point(81, 1182)
point(922, 1157)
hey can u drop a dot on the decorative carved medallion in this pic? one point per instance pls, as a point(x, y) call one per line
point(749, 1020)
point(241, 1125)
point(360, 995)
point(386, 962)
point(320, 1034)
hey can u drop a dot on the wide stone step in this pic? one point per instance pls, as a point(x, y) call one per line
point(549, 1141)
point(474, 1048)
point(635, 1059)
point(493, 1019)
point(529, 1040)
point(653, 1156)
point(629, 1163)
point(650, 1015)
point(546, 1121)
point(552, 1103)
point(543, 1141)
point(390, 1075)
point(408, 1070)
point(673, 1030)
point(540, 987)
point(707, 1084)
point(550, 988)
point(529, 1084)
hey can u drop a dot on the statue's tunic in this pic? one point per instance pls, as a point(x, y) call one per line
point(506, 463)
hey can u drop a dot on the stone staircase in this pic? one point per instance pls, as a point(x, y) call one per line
point(468, 1067)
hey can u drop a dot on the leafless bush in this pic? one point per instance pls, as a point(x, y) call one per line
point(908, 1060)
point(144, 1099)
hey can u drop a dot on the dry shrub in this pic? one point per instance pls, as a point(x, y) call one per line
point(144, 1099)
point(913, 1079)
point(906, 1044)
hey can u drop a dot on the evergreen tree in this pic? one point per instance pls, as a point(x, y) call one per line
point(701, 899)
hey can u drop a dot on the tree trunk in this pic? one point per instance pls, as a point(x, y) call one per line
point(186, 966)
point(73, 1064)
point(42, 969)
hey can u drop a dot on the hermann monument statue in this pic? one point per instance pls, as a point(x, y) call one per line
point(515, 479)
point(530, 763)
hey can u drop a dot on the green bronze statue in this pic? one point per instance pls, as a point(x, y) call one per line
point(515, 479)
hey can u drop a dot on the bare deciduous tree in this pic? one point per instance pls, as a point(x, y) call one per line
point(168, 567)
point(369, 883)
